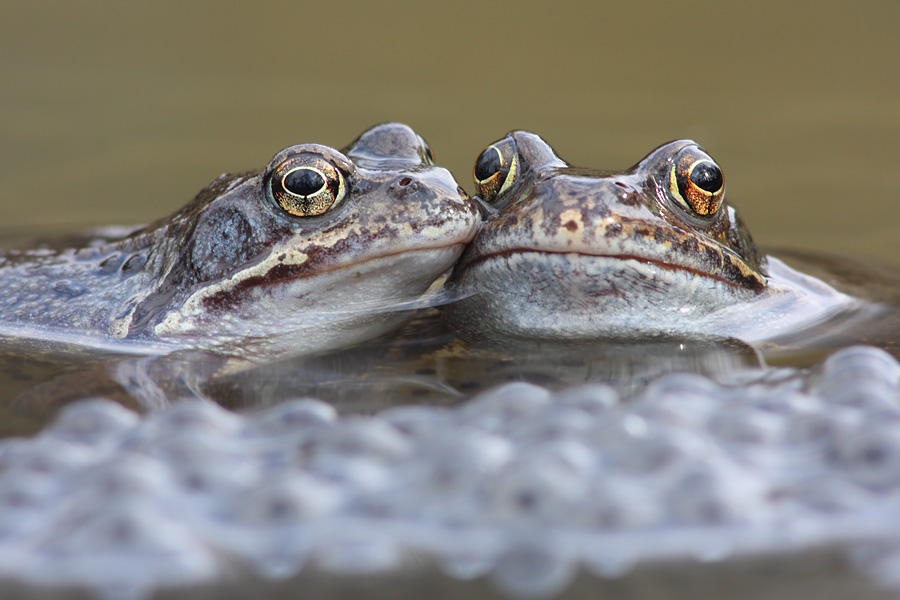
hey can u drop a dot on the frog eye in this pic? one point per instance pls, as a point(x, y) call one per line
point(696, 182)
point(426, 149)
point(307, 185)
point(496, 169)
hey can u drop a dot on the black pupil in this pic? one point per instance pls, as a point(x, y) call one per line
point(303, 182)
point(707, 177)
point(487, 164)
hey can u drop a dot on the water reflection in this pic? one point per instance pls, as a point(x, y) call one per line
point(422, 364)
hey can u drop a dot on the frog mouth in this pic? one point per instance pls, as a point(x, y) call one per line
point(733, 274)
point(286, 273)
point(303, 271)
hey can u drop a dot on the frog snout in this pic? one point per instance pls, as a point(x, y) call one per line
point(404, 185)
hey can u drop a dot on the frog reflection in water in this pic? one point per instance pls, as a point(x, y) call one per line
point(655, 250)
point(311, 253)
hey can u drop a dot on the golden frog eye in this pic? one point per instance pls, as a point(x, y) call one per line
point(496, 169)
point(307, 185)
point(696, 182)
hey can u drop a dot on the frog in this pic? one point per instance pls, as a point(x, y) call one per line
point(321, 248)
point(571, 253)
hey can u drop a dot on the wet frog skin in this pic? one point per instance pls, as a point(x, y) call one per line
point(313, 252)
point(573, 253)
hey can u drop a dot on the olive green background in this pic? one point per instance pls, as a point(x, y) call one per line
point(121, 111)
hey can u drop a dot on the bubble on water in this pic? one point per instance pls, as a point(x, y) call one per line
point(283, 503)
point(685, 387)
point(182, 446)
point(209, 483)
point(618, 503)
point(863, 361)
point(786, 405)
point(23, 489)
point(827, 494)
point(445, 474)
point(534, 487)
point(292, 417)
point(679, 399)
point(128, 476)
point(25, 497)
point(869, 396)
point(747, 426)
point(92, 421)
point(266, 524)
point(496, 408)
point(870, 456)
point(195, 416)
point(552, 424)
point(715, 494)
point(810, 428)
point(466, 450)
point(860, 376)
point(360, 474)
point(188, 431)
point(358, 437)
point(647, 451)
point(46, 455)
point(589, 399)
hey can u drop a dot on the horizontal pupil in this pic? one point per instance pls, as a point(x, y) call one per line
point(488, 164)
point(707, 177)
point(303, 182)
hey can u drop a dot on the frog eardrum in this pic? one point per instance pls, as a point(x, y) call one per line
point(307, 185)
point(696, 182)
point(496, 169)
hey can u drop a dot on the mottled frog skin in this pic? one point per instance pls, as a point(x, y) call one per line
point(573, 253)
point(313, 252)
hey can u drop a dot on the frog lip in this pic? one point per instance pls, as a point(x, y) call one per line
point(310, 269)
point(285, 273)
point(454, 246)
point(752, 283)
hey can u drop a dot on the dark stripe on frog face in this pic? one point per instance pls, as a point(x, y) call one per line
point(734, 275)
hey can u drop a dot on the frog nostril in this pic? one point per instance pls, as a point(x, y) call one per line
point(405, 181)
point(626, 192)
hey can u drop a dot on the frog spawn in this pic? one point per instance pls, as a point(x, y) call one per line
point(518, 484)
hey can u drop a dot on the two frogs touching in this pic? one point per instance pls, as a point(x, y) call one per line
point(327, 248)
